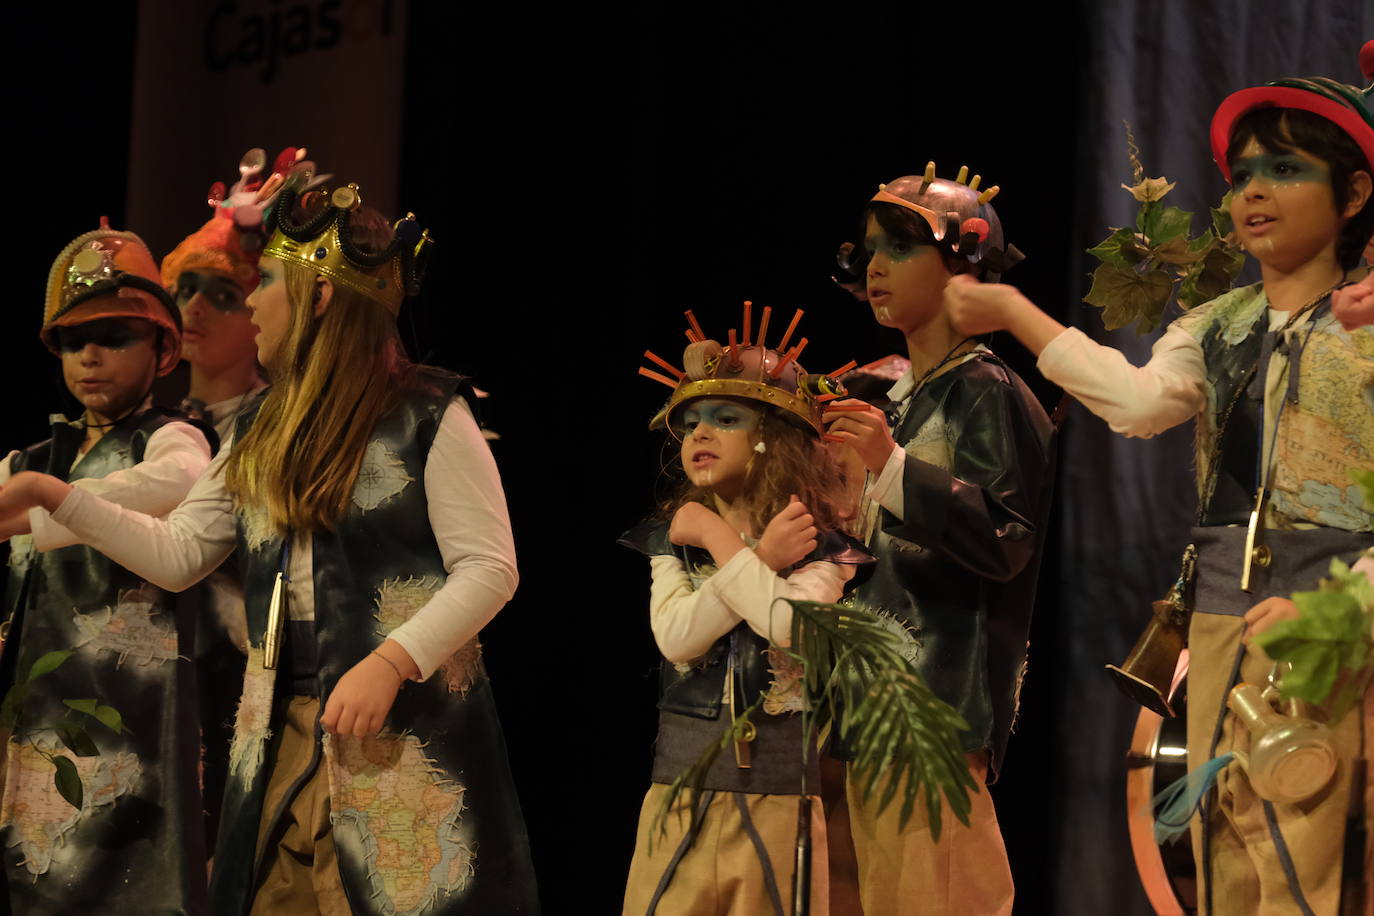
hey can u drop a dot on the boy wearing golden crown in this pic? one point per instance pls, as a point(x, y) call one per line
point(954, 510)
point(101, 805)
point(368, 771)
point(1280, 392)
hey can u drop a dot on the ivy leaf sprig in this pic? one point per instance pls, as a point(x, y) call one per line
point(70, 729)
point(1145, 265)
point(1330, 637)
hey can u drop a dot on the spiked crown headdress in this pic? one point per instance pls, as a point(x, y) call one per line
point(746, 368)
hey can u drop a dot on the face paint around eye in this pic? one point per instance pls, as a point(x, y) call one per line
point(1277, 168)
point(110, 334)
point(719, 414)
point(220, 293)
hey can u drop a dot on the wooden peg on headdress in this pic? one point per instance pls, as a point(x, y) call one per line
point(763, 326)
point(963, 175)
point(977, 180)
point(658, 377)
point(696, 328)
point(796, 316)
point(748, 322)
point(989, 194)
point(654, 357)
point(843, 369)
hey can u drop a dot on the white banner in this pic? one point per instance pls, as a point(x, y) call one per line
point(213, 80)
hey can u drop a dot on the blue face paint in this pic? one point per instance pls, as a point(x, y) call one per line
point(722, 415)
point(1277, 168)
point(894, 249)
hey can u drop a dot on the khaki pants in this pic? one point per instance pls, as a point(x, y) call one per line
point(903, 872)
point(721, 874)
point(1248, 875)
point(300, 871)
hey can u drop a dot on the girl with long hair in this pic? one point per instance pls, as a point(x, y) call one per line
point(375, 544)
point(758, 517)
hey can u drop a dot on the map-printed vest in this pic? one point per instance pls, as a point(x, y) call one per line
point(1323, 434)
point(439, 765)
point(137, 844)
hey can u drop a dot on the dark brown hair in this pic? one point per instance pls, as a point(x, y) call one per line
point(1285, 130)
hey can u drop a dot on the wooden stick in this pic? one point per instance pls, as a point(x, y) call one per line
point(651, 355)
point(658, 377)
point(748, 321)
point(782, 363)
point(763, 325)
point(796, 316)
point(696, 328)
point(843, 369)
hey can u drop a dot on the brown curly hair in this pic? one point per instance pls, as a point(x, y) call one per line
point(794, 463)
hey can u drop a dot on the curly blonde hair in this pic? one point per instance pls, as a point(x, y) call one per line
point(795, 462)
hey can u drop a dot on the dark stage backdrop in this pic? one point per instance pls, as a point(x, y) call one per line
point(591, 172)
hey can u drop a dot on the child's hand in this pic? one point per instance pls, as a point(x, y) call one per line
point(30, 488)
point(1267, 613)
point(975, 308)
point(359, 702)
point(15, 524)
point(690, 524)
point(863, 428)
point(1353, 306)
point(789, 538)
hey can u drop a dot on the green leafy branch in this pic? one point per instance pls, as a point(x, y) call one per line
point(1330, 636)
point(857, 681)
point(1142, 265)
point(70, 729)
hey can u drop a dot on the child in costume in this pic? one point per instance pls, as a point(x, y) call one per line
point(1281, 396)
point(373, 533)
point(757, 519)
point(954, 511)
point(134, 840)
point(209, 275)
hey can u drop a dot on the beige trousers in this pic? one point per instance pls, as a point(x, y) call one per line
point(902, 872)
point(301, 872)
point(1248, 875)
point(721, 873)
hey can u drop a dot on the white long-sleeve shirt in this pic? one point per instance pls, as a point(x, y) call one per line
point(174, 458)
point(686, 622)
point(1140, 401)
point(467, 512)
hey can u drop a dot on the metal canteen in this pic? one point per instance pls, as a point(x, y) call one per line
point(1290, 757)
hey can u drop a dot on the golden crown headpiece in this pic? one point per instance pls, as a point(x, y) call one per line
point(746, 368)
point(324, 243)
